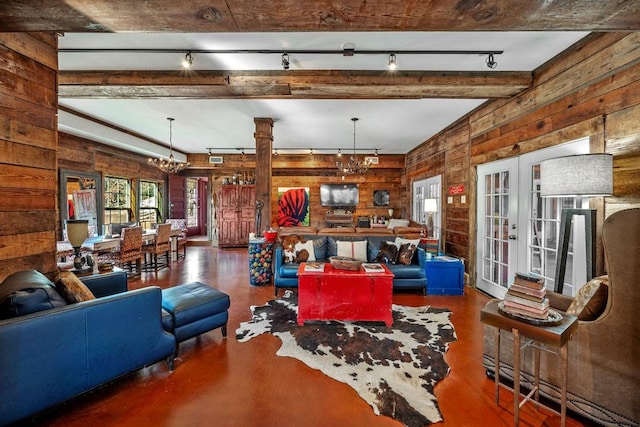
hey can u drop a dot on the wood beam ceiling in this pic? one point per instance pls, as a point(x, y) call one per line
point(322, 15)
point(321, 84)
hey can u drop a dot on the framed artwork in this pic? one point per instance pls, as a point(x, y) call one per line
point(293, 206)
point(381, 198)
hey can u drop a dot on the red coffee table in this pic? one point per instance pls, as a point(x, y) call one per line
point(344, 295)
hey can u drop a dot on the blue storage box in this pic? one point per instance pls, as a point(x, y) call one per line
point(445, 276)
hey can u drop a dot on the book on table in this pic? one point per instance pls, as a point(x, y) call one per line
point(538, 293)
point(372, 267)
point(314, 266)
point(529, 280)
point(516, 301)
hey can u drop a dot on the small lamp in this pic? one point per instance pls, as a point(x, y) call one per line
point(430, 207)
point(583, 175)
point(77, 232)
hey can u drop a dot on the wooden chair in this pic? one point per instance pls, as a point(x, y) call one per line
point(159, 247)
point(130, 250)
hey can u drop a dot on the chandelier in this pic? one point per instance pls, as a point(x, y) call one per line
point(170, 165)
point(353, 166)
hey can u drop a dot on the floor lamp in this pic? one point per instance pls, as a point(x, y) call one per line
point(583, 175)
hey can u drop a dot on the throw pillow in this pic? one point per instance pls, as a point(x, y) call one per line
point(301, 248)
point(357, 249)
point(401, 241)
point(405, 255)
point(71, 288)
point(388, 253)
point(591, 300)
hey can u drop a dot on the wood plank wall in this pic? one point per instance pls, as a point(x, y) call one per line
point(28, 144)
point(592, 91)
point(82, 155)
point(290, 170)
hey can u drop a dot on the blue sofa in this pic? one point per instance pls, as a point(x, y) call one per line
point(50, 356)
point(405, 276)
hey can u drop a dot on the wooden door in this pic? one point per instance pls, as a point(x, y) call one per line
point(177, 197)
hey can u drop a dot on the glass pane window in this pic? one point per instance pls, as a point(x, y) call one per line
point(150, 204)
point(496, 219)
point(117, 200)
point(544, 229)
point(192, 202)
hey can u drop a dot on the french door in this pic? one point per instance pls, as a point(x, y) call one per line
point(497, 225)
point(517, 229)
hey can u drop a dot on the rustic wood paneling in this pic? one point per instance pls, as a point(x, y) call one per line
point(28, 160)
point(593, 91)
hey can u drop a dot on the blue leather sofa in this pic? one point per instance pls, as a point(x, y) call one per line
point(405, 276)
point(50, 356)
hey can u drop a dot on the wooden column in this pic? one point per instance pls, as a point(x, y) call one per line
point(264, 143)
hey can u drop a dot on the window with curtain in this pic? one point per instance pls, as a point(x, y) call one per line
point(192, 202)
point(117, 200)
point(429, 188)
point(150, 204)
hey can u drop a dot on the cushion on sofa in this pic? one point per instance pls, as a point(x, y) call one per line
point(405, 253)
point(306, 246)
point(31, 291)
point(388, 253)
point(71, 288)
point(591, 300)
point(352, 249)
point(397, 223)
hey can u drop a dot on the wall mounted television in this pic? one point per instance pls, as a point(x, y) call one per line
point(339, 194)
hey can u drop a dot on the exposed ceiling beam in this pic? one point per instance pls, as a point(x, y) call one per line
point(323, 84)
point(338, 15)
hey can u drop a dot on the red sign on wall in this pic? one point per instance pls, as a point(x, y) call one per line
point(456, 189)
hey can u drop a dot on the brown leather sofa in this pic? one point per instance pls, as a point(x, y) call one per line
point(604, 354)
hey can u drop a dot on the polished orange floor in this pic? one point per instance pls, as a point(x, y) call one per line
point(221, 382)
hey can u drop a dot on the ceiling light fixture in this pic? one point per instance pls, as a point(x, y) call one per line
point(311, 151)
point(187, 62)
point(275, 151)
point(285, 61)
point(339, 152)
point(354, 166)
point(392, 62)
point(491, 63)
point(170, 165)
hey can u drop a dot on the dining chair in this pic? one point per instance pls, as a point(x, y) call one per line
point(130, 250)
point(159, 247)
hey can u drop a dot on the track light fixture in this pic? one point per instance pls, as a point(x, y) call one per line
point(392, 62)
point(339, 152)
point(491, 63)
point(285, 61)
point(375, 152)
point(275, 151)
point(187, 62)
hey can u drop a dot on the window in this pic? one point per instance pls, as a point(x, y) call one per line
point(150, 204)
point(192, 202)
point(117, 200)
point(427, 189)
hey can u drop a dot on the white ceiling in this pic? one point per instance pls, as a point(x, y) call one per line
point(392, 126)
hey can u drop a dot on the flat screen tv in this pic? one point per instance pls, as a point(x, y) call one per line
point(339, 194)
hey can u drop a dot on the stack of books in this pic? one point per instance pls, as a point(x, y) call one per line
point(527, 296)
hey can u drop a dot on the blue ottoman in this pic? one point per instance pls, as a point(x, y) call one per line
point(194, 308)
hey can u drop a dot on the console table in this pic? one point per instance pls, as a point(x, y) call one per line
point(335, 294)
point(547, 338)
point(339, 220)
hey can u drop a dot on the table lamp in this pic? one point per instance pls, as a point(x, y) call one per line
point(582, 175)
point(430, 207)
point(77, 232)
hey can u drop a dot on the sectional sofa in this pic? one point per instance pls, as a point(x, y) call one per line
point(61, 350)
point(325, 240)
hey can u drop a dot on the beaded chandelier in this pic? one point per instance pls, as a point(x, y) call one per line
point(170, 166)
point(354, 165)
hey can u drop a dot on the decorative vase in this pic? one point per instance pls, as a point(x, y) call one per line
point(390, 212)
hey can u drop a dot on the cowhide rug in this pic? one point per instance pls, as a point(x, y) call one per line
point(394, 369)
